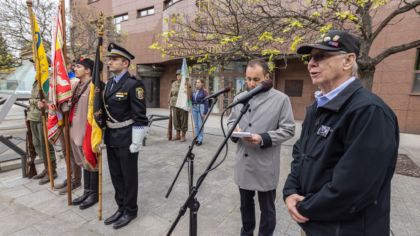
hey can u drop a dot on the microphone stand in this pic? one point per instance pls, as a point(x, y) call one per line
point(189, 158)
point(192, 201)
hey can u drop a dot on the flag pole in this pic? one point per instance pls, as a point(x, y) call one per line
point(66, 111)
point(63, 22)
point(41, 93)
point(99, 155)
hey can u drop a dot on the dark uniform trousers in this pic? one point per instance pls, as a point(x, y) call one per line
point(124, 101)
point(268, 212)
point(123, 169)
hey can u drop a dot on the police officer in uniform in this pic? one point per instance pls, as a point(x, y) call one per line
point(125, 107)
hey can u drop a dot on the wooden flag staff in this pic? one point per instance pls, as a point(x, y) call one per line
point(41, 93)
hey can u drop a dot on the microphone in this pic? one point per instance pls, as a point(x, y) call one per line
point(263, 87)
point(216, 94)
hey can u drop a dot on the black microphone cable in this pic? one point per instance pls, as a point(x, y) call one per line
point(226, 146)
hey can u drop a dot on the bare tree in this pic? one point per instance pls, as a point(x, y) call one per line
point(15, 23)
point(83, 37)
point(230, 29)
point(81, 31)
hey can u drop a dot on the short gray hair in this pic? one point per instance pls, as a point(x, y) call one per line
point(355, 70)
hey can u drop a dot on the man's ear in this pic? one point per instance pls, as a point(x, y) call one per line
point(126, 62)
point(349, 61)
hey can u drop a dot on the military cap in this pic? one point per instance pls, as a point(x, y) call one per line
point(86, 62)
point(114, 50)
point(335, 40)
point(178, 72)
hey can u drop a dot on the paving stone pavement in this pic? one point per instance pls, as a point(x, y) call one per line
point(27, 208)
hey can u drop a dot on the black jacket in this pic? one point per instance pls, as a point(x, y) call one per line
point(126, 101)
point(343, 164)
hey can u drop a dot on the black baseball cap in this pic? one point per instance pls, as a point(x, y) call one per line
point(333, 41)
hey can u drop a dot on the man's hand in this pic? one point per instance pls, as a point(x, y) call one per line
point(42, 104)
point(254, 139)
point(291, 202)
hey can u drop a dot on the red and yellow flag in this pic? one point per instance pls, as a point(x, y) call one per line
point(60, 88)
point(95, 117)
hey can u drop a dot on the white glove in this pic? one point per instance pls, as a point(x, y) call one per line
point(138, 134)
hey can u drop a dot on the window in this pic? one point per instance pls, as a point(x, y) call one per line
point(169, 3)
point(92, 1)
point(416, 84)
point(293, 88)
point(145, 12)
point(118, 19)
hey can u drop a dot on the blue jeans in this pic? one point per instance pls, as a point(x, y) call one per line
point(198, 114)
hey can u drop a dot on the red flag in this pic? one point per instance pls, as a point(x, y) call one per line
point(60, 88)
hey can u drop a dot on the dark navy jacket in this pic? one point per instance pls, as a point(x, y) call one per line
point(125, 101)
point(343, 164)
point(199, 99)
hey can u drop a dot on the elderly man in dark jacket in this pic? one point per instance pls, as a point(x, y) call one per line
point(343, 163)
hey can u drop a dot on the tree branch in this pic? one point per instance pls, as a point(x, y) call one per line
point(393, 50)
point(391, 16)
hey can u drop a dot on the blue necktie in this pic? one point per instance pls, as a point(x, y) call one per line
point(113, 85)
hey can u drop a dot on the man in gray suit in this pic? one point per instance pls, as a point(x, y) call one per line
point(270, 121)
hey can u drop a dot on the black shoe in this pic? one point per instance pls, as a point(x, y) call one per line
point(89, 201)
point(199, 143)
point(123, 221)
point(93, 195)
point(116, 216)
point(79, 200)
point(86, 186)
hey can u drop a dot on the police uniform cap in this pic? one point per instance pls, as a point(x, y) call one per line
point(115, 50)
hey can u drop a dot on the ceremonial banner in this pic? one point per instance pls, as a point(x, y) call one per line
point(41, 62)
point(182, 99)
point(60, 88)
point(95, 118)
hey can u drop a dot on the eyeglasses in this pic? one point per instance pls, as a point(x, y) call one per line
point(321, 56)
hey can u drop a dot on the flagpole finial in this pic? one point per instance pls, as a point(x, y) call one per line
point(100, 24)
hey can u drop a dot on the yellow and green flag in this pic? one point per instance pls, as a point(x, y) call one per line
point(41, 62)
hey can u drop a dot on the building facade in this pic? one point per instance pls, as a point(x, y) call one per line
point(396, 81)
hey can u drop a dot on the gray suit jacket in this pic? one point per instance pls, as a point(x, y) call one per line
point(270, 115)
